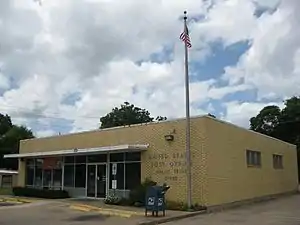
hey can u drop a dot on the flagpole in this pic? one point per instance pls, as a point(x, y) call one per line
point(187, 111)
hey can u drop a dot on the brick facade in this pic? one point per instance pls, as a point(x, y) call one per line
point(219, 170)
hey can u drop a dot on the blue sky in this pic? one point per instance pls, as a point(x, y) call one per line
point(72, 64)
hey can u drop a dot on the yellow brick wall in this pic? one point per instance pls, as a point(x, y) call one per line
point(229, 179)
point(219, 171)
point(164, 161)
point(21, 174)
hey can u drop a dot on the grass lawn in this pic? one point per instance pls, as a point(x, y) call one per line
point(5, 191)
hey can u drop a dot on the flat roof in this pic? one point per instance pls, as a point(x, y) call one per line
point(165, 121)
point(70, 152)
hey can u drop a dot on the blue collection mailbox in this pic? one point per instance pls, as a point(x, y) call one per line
point(155, 200)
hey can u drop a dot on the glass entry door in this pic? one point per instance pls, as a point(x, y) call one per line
point(96, 180)
point(101, 181)
point(91, 181)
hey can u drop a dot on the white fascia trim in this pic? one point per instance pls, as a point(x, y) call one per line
point(106, 149)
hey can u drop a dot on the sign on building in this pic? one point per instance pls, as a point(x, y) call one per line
point(114, 184)
point(114, 169)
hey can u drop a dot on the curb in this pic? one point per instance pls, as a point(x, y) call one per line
point(173, 218)
point(110, 212)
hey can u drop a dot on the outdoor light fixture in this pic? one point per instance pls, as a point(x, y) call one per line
point(169, 137)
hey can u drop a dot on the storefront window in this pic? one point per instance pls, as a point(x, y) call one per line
point(57, 175)
point(80, 159)
point(132, 175)
point(133, 156)
point(117, 157)
point(100, 158)
point(47, 178)
point(69, 159)
point(80, 175)
point(119, 177)
point(38, 178)
point(29, 172)
point(69, 176)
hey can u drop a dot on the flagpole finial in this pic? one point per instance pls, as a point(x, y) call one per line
point(185, 15)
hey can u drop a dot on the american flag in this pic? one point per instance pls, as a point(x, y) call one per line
point(184, 36)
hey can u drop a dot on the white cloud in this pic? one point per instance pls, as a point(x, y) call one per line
point(271, 65)
point(45, 133)
point(240, 113)
point(91, 47)
point(4, 82)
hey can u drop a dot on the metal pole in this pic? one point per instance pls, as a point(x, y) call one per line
point(188, 130)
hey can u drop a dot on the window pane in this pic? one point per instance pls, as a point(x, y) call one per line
point(80, 175)
point(39, 163)
point(6, 181)
point(117, 157)
point(119, 176)
point(132, 156)
point(57, 177)
point(248, 157)
point(80, 159)
point(69, 175)
point(47, 178)
point(97, 158)
point(132, 175)
point(38, 179)
point(253, 158)
point(69, 159)
point(29, 175)
point(277, 161)
point(30, 162)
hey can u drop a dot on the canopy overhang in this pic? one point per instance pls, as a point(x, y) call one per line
point(83, 151)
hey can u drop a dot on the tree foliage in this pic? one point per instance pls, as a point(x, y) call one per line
point(211, 115)
point(282, 124)
point(10, 136)
point(127, 114)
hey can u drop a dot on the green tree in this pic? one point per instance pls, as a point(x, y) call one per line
point(282, 124)
point(127, 114)
point(10, 136)
point(211, 115)
point(267, 120)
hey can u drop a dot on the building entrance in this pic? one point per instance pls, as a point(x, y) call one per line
point(96, 180)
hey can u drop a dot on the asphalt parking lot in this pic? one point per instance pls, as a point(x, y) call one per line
point(283, 211)
point(49, 213)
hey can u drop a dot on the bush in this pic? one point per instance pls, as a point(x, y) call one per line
point(40, 193)
point(112, 200)
point(180, 206)
point(137, 196)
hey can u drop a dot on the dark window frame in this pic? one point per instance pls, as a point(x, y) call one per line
point(253, 158)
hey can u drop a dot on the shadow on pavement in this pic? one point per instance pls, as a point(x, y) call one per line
point(95, 217)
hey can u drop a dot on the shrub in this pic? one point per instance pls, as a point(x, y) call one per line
point(180, 206)
point(115, 200)
point(112, 200)
point(40, 193)
point(137, 196)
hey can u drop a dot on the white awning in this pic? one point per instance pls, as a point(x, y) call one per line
point(83, 151)
point(8, 172)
